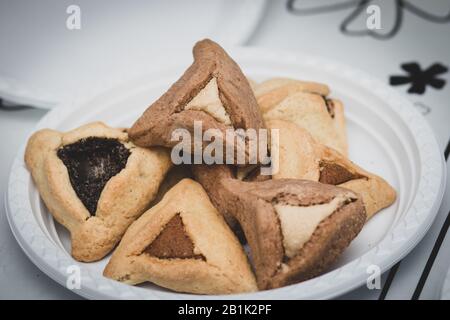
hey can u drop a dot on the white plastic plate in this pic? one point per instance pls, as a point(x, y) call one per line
point(386, 136)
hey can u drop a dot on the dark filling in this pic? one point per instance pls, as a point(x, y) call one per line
point(332, 173)
point(173, 242)
point(254, 175)
point(330, 105)
point(91, 162)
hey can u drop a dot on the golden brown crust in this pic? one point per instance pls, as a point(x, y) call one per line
point(330, 238)
point(280, 88)
point(94, 236)
point(175, 175)
point(252, 204)
point(304, 158)
point(340, 125)
point(223, 270)
point(155, 126)
point(310, 112)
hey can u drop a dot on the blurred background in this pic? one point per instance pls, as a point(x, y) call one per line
point(51, 51)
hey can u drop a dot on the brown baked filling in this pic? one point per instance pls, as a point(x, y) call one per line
point(330, 105)
point(332, 173)
point(173, 242)
point(91, 163)
point(255, 175)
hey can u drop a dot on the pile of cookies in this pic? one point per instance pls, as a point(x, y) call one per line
point(217, 228)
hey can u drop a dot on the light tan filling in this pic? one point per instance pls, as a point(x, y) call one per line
point(298, 223)
point(207, 100)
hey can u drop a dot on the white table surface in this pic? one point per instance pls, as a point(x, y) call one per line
point(319, 34)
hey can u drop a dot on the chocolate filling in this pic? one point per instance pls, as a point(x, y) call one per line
point(332, 173)
point(91, 162)
point(173, 242)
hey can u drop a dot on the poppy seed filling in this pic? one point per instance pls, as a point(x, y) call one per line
point(91, 163)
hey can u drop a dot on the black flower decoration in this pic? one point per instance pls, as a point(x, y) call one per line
point(418, 78)
point(359, 6)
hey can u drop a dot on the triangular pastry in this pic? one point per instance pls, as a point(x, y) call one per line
point(183, 244)
point(94, 182)
point(296, 229)
point(272, 91)
point(323, 118)
point(175, 175)
point(213, 90)
point(301, 157)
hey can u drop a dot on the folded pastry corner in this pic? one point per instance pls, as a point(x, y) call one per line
point(183, 244)
point(323, 118)
point(175, 175)
point(94, 182)
point(212, 90)
point(305, 158)
point(272, 91)
point(295, 229)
